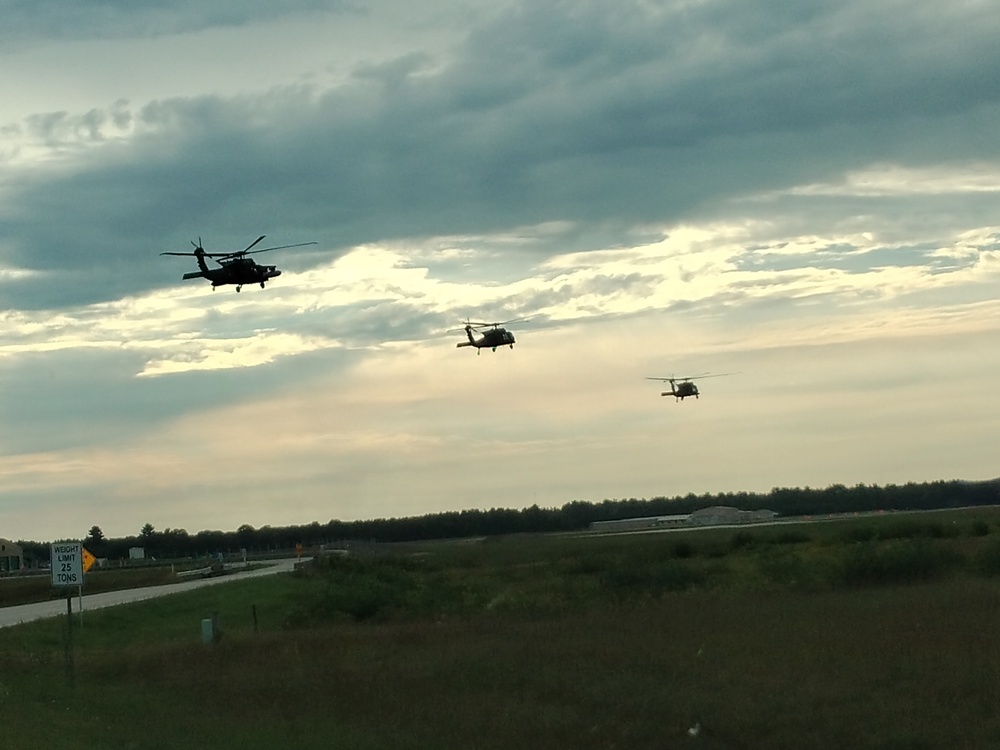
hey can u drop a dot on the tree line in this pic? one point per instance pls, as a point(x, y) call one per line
point(573, 516)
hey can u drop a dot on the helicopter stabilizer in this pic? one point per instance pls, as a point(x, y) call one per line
point(193, 275)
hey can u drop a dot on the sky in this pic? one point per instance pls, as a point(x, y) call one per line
point(798, 196)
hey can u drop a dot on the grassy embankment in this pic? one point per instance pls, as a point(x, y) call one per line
point(38, 588)
point(874, 633)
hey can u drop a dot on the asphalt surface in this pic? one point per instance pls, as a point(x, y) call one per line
point(40, 610)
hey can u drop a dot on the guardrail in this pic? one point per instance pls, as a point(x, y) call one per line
point(215, 569)
point(197, 573)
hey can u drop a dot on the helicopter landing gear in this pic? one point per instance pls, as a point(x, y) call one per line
point(262, 285)
point(238, 287)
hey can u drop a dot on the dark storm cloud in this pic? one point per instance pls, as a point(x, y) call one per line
point(26, 21)
point(589, 113)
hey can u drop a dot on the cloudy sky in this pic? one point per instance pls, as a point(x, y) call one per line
point(803, 193)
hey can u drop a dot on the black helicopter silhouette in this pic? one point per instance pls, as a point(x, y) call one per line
point(681, 388)
point(493, 335)
point(235, 268)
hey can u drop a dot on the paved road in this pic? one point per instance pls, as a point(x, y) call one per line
point(28, 612)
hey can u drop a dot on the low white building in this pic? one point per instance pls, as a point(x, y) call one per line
point(724, 515)
point(636, 524)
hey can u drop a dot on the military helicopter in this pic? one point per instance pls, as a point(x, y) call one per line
point(681, 388)
point(494, 335)
point(234, 268)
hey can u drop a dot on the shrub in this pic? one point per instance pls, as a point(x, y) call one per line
point(899, 561)
point(987, 562)
point(784, 567)
point(857, 534)
point(792, 537)
point(625, 580)
point(980, 528)
point(683, 550)
point(359, 590)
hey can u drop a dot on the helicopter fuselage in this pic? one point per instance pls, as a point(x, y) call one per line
point(238, 271)
point(682, 390)
point(491, 338)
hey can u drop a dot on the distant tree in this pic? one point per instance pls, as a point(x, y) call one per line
point(147, 531)
point(95, 534)
point(176, 542)
point(246, 536)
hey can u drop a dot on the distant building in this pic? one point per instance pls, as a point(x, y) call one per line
point(637, 524)
point(11, 556)
point(717, 515)
point(724, 515)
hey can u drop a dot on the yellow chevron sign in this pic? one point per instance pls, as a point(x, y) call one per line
point(88, 560)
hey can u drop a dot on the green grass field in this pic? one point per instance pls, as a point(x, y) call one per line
point(872, 633)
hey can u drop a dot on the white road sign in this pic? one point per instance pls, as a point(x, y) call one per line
point(67, 564)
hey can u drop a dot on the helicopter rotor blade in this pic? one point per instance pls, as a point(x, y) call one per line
point(712, 375)
point(253, 243)
point(278, 247)
point(694, 377)
point(203, 254)
point(495, 324)
point(244, 253)
point(478, 325)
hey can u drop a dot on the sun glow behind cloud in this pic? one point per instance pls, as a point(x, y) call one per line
point(683, 188)
point(708, 269)
point(893, 180)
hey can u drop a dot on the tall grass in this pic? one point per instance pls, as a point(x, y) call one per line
point(859, 668)
point(776, 639)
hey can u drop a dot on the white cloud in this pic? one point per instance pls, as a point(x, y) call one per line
point(881, 180)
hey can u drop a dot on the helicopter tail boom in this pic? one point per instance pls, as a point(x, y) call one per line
point(460, 344)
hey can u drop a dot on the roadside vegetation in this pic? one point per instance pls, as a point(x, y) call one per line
point(876, 632)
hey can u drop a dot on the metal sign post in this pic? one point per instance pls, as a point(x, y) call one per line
point(67, 571)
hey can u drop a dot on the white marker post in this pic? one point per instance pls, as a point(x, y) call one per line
point(66, 559)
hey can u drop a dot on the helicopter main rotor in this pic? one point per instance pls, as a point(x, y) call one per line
point(469, 325)
point(199, 251)
point(688, 379)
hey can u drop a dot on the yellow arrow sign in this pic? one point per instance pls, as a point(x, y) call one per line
point(88, 559)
